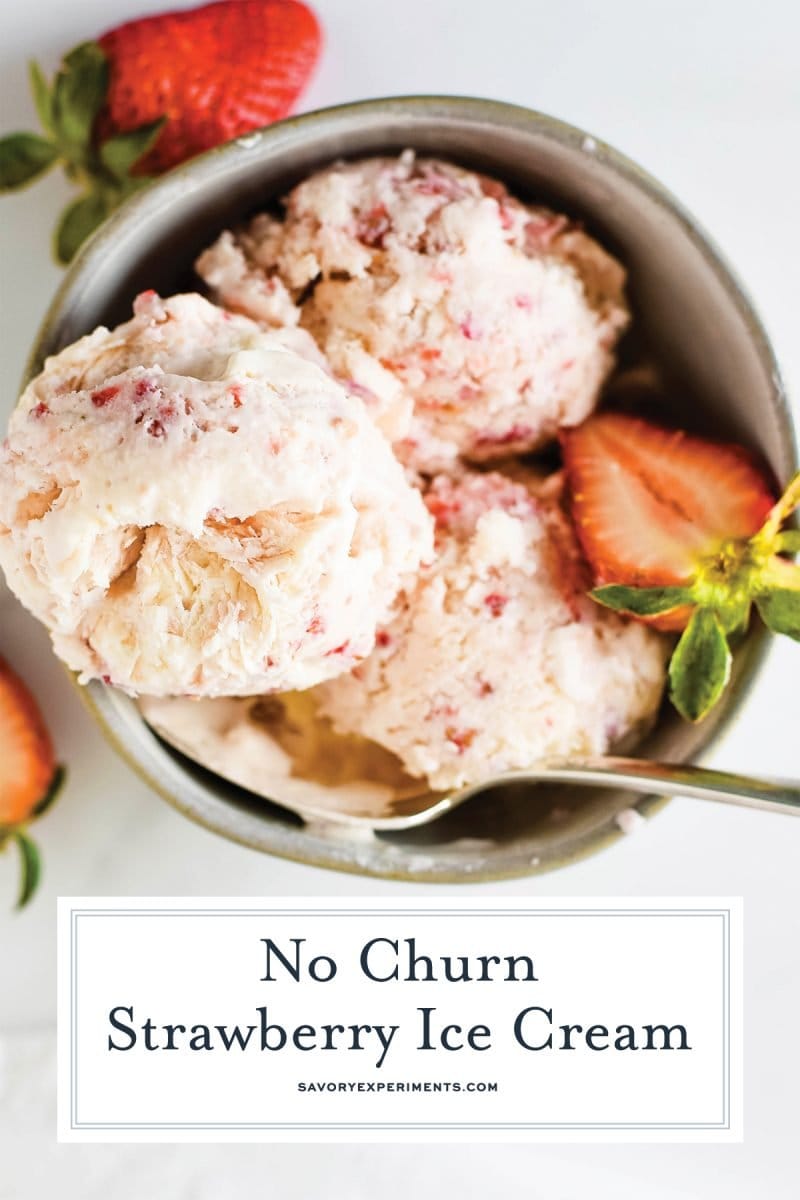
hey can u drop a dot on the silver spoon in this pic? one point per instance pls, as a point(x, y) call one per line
point(289, 757)
point(630, 774)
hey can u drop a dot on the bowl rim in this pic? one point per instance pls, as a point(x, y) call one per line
point(147, 204)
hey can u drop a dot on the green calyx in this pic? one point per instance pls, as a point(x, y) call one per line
point(30, 867)
point(30, 861)
point(726, 585)
point(68, 111)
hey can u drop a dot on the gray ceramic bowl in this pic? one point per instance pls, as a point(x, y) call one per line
point(690, 314)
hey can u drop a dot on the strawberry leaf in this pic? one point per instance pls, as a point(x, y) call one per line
point(78, 220)
point(778, 597)
point(23, 158)
point(700, 667)
point(122, 152)
point(42, 97)
point(643, 602)
point(780, 611)
point(56, 784)
point(31, 867)
point(79, 92)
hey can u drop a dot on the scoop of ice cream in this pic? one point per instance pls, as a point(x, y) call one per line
point(470, 323)
point(192, 508)
point(497, 658)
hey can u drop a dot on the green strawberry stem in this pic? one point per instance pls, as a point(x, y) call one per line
point(789, 501)
point(740, 573)
point(68, 113)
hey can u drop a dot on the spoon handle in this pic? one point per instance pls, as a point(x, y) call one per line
point(643, 775)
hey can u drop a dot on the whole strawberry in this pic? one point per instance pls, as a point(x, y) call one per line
point(214, 72)
point(156, 91)
point(29, 776)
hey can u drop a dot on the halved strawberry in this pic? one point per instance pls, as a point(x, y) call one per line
point(685, 534)
point(27, 760)
point(650, 504)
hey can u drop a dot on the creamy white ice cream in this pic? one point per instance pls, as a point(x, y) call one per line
point(194, 508)
point(470, 324)
point(497, 658)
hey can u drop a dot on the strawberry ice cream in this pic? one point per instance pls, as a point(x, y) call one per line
point(497, 658)
point(471, 324)
point(193, 507)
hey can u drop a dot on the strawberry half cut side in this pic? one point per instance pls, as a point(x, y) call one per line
point(685, 534)
point(649, 503)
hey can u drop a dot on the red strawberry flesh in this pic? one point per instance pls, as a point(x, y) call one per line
point(27, 763)
point(215, 72)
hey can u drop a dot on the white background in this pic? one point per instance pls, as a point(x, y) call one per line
point(706, 95)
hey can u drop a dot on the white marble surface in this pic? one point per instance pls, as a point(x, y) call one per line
point(707, 96)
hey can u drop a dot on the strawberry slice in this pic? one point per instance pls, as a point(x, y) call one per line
point(27, 761)
point(651, 504)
